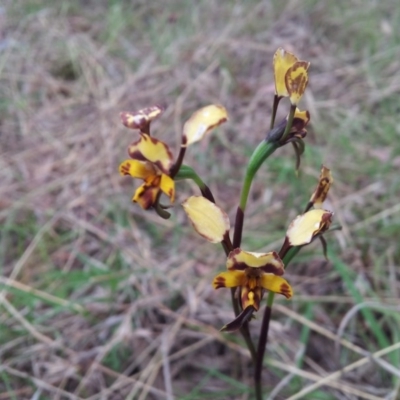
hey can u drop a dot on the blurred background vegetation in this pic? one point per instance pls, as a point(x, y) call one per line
point(100, 300)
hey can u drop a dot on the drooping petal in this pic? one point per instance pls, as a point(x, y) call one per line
point(140, 119)
point(321, 191)
point(137, 169)
point(238, 322)
point(283, 60)
point(167, 185)
point(208, 220)
point(153, 150)
point(268, 262)
point(251, 297)
point(202, 122)
point(229, 279)
point(146, 195)
point(307, 226)
point(296, 80)
point(276, 284)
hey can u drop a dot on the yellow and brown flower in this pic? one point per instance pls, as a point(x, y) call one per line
point(151, 159)
point(253, 273)
point(291, 75)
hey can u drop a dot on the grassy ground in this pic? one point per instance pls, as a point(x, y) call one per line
point(100, 300)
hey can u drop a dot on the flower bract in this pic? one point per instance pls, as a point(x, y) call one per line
point(151, 159)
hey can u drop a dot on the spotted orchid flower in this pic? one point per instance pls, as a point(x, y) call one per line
point(152, 160)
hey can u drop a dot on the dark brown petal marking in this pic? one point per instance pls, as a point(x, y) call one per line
point(298, 84)
point(272, 269)
point(257, 298)
point(244, 296)
point(326, 221)
point(219, 282)
point(321, 188)
point(247, 294)
point(221, 121)
point(276, 269)
point(146, 197)
point(299, 124)
point(285, 290)
point(134, 153)
point(125, 169)
point(239, 266)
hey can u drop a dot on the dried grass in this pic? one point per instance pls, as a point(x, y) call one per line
point(100, 300)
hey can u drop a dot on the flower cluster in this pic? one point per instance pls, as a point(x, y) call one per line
point(249, 274)
point(254, 273)
point(152, 160)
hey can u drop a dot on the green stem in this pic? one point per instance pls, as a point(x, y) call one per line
point(186, 172)
point(260, 154)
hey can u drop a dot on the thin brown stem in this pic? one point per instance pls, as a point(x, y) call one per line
point(237, 236)
point(262, 344)
point(175, 168)
point(277, 99)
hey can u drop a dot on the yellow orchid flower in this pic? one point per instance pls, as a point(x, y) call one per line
point(291, 75)
point(151, 159)
point(252, 273)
